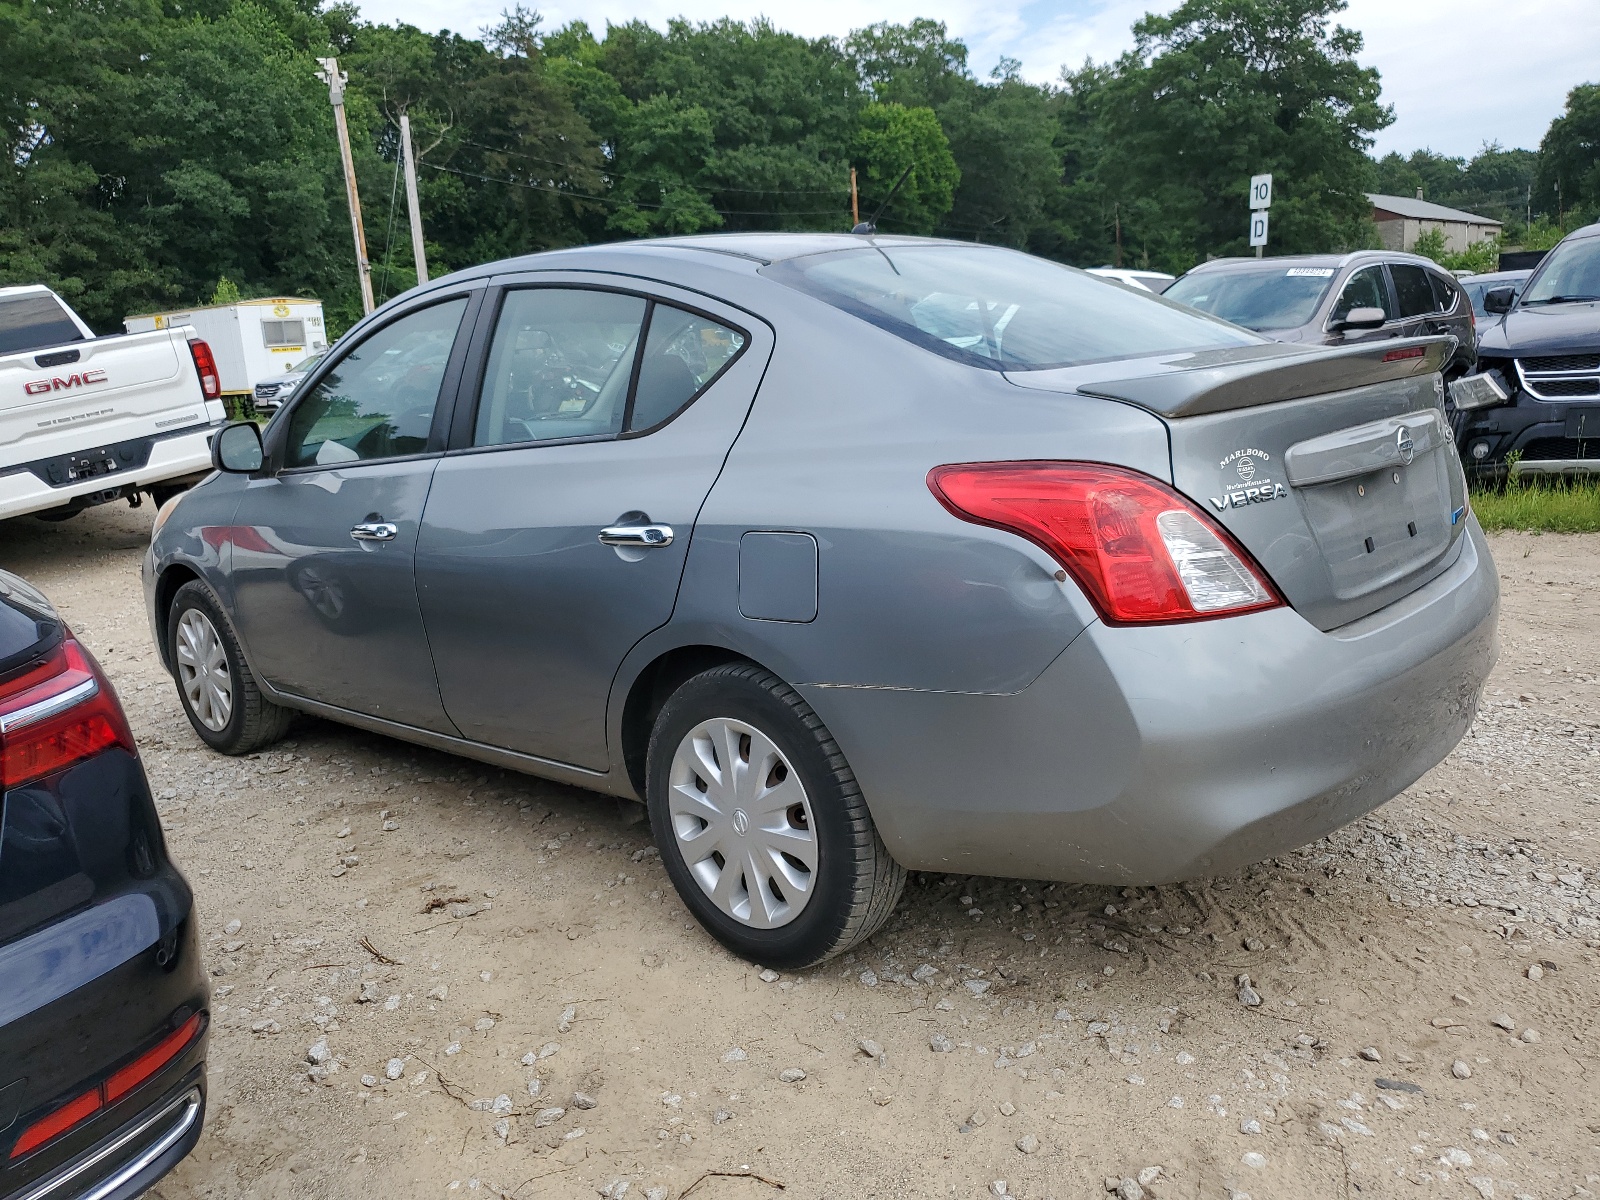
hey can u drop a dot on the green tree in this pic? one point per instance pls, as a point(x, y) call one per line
point(1568, 185)
point(890, 140)
point(1220, 90)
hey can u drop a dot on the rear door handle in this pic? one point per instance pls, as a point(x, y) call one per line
point(637, 535)
point(375, 531)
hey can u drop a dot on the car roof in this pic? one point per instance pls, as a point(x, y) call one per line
point(1352, 258)
point(1498, 276)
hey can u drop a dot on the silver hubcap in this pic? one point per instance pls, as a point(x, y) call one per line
point(743, 823)
point(203, 671)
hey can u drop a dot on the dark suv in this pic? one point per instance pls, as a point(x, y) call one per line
point(103, 999)
point(1335, 299)
point(1542, 354)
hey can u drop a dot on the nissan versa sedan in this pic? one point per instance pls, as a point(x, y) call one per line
point(103, 1005)
point(850, 555)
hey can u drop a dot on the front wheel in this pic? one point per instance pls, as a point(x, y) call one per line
point(215, 684)
point(761, 825)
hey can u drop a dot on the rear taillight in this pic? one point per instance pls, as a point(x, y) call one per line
point(57, 713)
point(205, 365)
point(75, 1112)
point(1142, 553)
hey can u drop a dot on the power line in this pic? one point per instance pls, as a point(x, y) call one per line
point(571, 195)
point(550, 162)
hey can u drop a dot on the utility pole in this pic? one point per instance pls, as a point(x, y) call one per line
point(335, 79)
point(1116, 217)
point(855, 201)
point(408, 156)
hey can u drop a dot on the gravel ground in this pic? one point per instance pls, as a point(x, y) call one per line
point(434, 978)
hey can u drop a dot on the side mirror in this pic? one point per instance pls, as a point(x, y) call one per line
point(1361, 318)
point(237, 448)
point(1499, 300)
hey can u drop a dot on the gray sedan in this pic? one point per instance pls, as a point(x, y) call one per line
point(848, 556)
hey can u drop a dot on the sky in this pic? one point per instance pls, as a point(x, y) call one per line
point(1458, 72)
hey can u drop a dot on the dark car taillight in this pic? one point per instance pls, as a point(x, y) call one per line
point(78, 1110)
point(1140, 551)
point(57, 713)
point(205, 365)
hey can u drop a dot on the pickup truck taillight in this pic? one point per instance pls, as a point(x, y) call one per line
point(56, 713)
point(205, 364)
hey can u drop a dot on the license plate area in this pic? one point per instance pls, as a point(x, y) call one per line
point(1382, 525)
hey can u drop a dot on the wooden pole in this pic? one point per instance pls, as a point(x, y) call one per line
point(410, 159)
point(331, 75)
point(855, 201)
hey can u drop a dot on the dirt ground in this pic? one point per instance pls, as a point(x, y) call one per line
point(470, 949)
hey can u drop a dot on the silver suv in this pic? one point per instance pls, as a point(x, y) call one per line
point(1336, 299)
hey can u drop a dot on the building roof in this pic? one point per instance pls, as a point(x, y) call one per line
point(1407, 206)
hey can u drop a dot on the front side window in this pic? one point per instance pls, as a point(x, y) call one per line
point(1000, 309)
point(1364, 289)
point(1256, 297)
point(378, 400)
point(1414, 291)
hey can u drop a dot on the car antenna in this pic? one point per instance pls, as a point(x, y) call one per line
point(870, 225)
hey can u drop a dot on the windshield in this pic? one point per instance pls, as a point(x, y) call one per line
point(999, 309)
point(306, 364)
point(1571, 272)
point(1275, 298)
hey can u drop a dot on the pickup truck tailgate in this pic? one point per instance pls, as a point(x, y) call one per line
point(105, 390)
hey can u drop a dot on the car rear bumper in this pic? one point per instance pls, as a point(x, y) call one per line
point(131, 1160)
point(1146, 755)
point(22, 490)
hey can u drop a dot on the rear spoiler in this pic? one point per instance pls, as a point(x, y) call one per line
point(1219, 380)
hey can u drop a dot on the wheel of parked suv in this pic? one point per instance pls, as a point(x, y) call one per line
point(760, 822)
point(219, 694)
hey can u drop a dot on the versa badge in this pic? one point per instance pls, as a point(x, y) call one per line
point(1249, 466)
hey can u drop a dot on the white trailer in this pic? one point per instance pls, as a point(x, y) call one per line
point(251, 340)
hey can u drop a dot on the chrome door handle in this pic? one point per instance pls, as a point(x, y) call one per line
point(637, 535)
point(375, 531)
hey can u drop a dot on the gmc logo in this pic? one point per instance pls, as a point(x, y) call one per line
point(38, 387)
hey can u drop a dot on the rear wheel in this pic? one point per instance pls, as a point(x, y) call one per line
point(761, 825)
point(215, 684)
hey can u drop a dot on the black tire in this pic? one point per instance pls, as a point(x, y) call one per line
point(254, 721)
point(856, 883)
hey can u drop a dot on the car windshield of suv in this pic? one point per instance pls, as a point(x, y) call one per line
point(1571, 274)
point(999, 309)
point(1256, 297)
point(306, 364)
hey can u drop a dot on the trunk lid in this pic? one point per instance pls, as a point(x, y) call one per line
point(105, 390)
point(1334, 467)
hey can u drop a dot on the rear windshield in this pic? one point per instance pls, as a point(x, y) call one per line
point(33, 323)
point(1257, 298)
point(999, 309)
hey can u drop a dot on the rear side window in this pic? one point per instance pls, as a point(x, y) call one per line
point(1413, 290)
point(34, 323)
point(567, 363)
point(1444, 293)
point(1000, 309)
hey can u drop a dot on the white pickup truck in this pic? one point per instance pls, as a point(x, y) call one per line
point(87, 420)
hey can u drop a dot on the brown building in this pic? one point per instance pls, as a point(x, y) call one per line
point(1401, 220)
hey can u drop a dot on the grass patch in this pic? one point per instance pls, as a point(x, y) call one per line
point(1549, 506)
